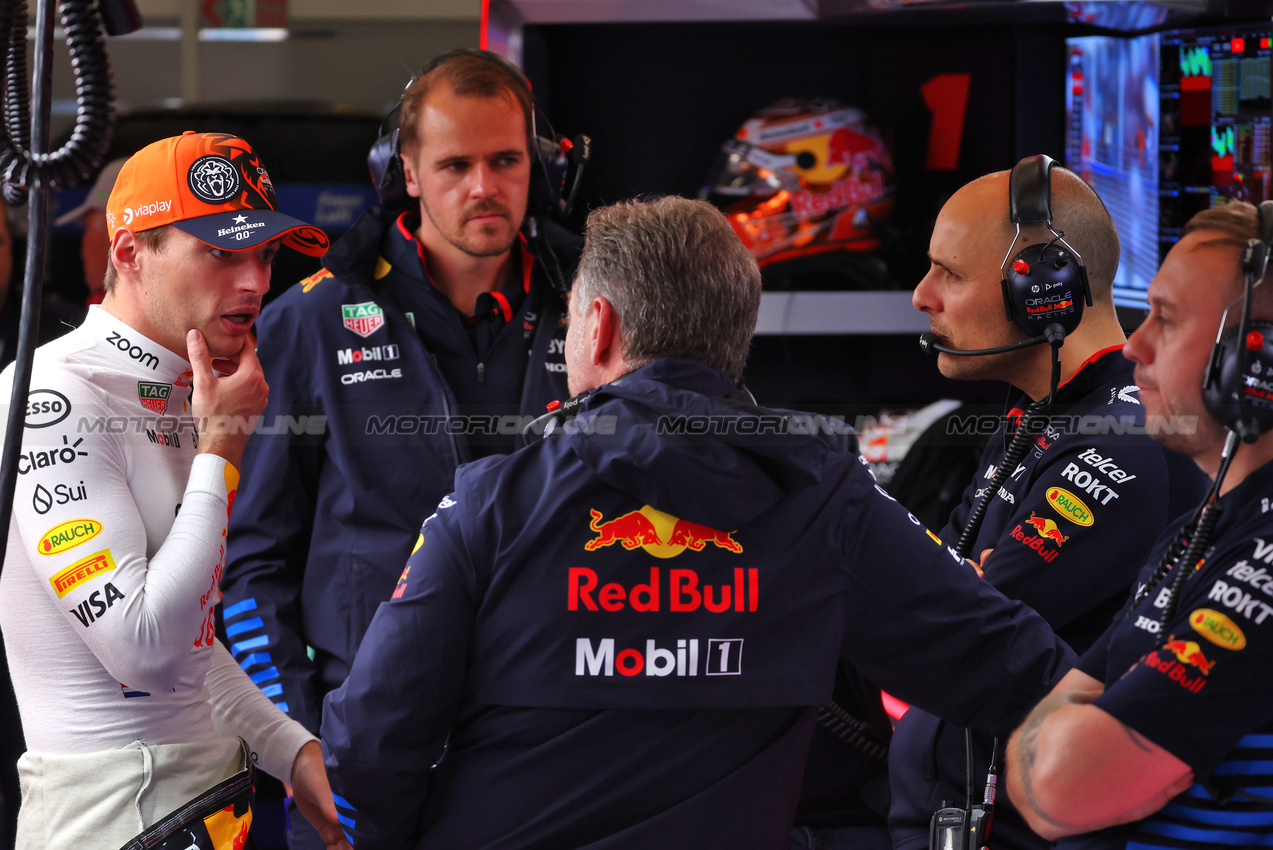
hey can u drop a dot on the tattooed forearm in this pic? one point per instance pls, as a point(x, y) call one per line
point(1026, 746)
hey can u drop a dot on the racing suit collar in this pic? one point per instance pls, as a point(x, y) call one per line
point(135, 352)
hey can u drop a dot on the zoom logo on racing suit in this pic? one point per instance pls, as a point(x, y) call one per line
point(134, 352)
point(724, 657)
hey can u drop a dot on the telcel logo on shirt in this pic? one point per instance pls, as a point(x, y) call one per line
point(82, 571)
point(68, 535)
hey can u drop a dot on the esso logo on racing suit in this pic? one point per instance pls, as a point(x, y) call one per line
point(45, 408)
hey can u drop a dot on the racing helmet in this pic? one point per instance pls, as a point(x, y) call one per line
point(803, 177)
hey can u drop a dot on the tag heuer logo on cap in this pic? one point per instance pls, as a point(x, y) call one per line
point(153, 396)
point(213, 179)
point(363, 319)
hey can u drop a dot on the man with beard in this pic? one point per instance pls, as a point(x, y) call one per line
point(1160, 737)
point(423, 343)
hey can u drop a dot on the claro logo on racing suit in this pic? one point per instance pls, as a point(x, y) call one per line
point(723, 657)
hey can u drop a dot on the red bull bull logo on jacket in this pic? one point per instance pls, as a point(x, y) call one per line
point(677, 589)
point(1045, 533)
point(1177, 659)
point(659, 534)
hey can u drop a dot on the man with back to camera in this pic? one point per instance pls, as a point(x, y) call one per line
point(130, 706)
point(420, 322)
point(1082, 508)
point(616, 636)
point(1161, 736)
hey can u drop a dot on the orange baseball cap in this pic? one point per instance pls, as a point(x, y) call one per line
point(212, 186)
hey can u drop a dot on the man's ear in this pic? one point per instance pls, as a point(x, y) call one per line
point(607, 348)
point(124, 253)
point(409, 175)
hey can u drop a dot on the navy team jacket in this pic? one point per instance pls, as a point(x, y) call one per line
point(355, 449)
point(1070, 528)
point(615, 636)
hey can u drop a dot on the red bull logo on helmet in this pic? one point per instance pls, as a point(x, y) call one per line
point(659, 534)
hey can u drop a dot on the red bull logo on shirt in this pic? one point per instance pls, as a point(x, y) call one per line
point(659, 534)
point(1176, 659)
point(1045, 532)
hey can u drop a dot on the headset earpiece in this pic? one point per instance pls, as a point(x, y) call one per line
point(1242, 400)
point(1046, 283)
point(1238, 387)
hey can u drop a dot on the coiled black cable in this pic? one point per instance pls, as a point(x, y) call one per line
point(85, 151)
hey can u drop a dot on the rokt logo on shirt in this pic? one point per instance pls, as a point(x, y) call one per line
point(659, 534)
point(363, 319)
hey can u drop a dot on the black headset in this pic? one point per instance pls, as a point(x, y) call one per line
point(1238, 389)
point(1045, 284)
point(1045, 287)
point(557, 163)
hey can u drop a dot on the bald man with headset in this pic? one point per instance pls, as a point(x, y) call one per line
point(1019, 290)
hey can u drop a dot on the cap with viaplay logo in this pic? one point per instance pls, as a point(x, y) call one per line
point(210, 185)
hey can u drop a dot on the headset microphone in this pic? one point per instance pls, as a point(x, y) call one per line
point(1052, 334)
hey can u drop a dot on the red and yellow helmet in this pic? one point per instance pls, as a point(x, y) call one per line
point(803, 177)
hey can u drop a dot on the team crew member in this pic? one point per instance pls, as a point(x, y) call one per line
point(619, 633)
point(1165, 727)
point(424, 342)
point(129, 704)
point(1076, 517)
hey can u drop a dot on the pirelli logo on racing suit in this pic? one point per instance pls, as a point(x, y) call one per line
point(81, 571)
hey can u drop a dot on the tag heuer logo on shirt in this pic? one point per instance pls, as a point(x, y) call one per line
point(153, 396)
point(363, 319)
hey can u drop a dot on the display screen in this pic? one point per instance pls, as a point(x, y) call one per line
point(1215, 122)
point(1112, 102)
point(1165, 125)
